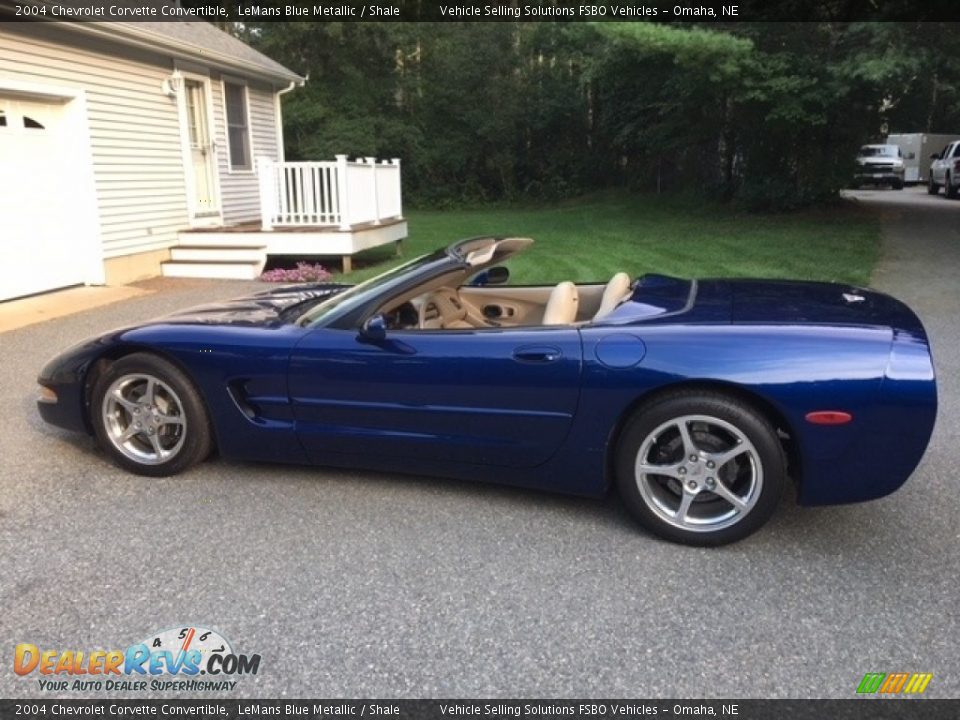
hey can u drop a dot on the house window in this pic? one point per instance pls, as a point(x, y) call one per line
point(238, 134)
point(29, 122)
point(194, 98)
point(3, 119)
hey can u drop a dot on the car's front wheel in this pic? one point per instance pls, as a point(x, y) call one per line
point(932, 187)
point(700, 468)
point(148, 416)
point(949, 189)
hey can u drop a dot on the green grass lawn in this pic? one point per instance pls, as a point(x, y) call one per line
point(591, 238)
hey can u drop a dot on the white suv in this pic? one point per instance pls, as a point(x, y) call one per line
point(945, 170)
point(880, 165)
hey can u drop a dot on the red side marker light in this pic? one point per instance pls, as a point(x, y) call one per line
point(829, 417)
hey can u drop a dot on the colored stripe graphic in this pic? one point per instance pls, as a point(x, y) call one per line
point(918, 683)
point(871, 682)
point(893, 683)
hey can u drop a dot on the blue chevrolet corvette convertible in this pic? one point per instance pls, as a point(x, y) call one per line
point(697, 398)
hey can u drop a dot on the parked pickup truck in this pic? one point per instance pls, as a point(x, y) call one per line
point(880, 165)
point(945, 170)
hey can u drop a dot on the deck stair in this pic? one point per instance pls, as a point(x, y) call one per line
point(237, 257)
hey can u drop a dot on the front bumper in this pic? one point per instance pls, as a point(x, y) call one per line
point(68, 411)
point(64, 378)
point(869, 175)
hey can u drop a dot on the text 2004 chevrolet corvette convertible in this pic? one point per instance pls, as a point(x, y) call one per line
point(697, 398)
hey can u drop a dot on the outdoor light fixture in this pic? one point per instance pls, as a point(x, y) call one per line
point(171, 85)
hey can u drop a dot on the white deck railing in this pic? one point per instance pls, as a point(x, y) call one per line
point(340, 194)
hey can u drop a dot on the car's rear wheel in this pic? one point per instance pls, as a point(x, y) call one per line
point(148, 416)
point(700, 468)
point(897, 185)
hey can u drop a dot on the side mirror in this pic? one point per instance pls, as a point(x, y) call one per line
point(374, 329)
point(491, 276)
point(498, 275)
point(935, 156)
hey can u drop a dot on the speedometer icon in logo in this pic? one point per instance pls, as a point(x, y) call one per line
point(184, 640)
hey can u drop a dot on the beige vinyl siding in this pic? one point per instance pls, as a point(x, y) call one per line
point(134, 132)
point(239, 191)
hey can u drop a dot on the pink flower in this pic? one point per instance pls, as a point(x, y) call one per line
point(304, 272)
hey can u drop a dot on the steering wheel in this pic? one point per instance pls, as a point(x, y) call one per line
point(442, 307)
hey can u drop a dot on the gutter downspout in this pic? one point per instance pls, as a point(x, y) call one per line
point(278, 110)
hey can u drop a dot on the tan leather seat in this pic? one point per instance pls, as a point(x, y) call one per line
point(562, 305)
point(616, 291)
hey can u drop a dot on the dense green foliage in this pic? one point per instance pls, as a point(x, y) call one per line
point(591, 238)
point(767, 114)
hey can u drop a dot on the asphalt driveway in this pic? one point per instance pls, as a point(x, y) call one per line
point(362, 584)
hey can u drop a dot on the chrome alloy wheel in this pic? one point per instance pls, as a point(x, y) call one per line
point(699, 473)
point(144, 418)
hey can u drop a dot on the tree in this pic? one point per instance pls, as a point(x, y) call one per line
point(769, 114)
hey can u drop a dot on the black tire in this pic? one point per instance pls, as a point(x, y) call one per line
point(932, 187)
point(649, 431)
point(154, 432)
point(949, 189)
point(897, 185)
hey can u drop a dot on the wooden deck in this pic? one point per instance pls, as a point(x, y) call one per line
point(220, 250)
point(254, 227)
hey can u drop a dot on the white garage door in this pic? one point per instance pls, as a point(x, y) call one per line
point(36, 248)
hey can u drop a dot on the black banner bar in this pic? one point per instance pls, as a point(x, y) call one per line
point(687, 11)
point(214, 709)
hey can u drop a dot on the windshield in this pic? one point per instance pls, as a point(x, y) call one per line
point(880, 151)
point(358, 293)
point(473, 255)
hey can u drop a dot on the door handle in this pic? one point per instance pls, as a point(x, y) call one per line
point(537, 354)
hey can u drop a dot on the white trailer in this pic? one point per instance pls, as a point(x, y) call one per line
point(917, 149)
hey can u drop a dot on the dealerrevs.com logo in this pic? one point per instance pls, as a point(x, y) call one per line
point(180, 659)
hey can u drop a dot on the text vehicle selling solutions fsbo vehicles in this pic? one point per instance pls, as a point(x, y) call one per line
point(697, 398)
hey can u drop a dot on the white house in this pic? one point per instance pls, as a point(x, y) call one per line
point(131, 149)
